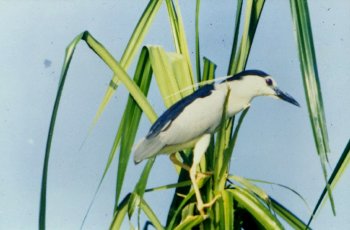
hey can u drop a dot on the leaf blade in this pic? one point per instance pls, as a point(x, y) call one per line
point(338, 171)
point(255, 208)
point(287, 215)
point(67, 60)
point(130, 51)
point(312, 88)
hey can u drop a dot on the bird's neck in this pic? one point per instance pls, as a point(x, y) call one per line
point(237, 100)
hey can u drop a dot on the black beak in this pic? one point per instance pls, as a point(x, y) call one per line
point(285, 97)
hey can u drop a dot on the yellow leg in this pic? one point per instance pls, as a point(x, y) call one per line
point(198, 152)
point(174, 159)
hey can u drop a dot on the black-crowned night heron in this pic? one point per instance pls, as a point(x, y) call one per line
point(191, 121)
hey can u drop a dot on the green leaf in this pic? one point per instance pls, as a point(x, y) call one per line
point(338, 171)
point(131, 50)
point(134, 90)
point(229, 150)
point(231, 67)
point(198, 53)
point(133, 203)
point(284, 187)
point(189, 223)
point(292, 219)
point(209, 68)
point(208, 161)
point(308, 64)
point(255, 208)
point(67, 59)
point(178, 202)
point(150, 214)
point(120, 214)
point(140, 32)
point(173, 77)
point(171, 222)
point(226, 207)
point(131, 120)
point(287, 215)
point(123, 76)
point(252, 188)
point(179, 33)
point(220, 146)
point(252, 16)
point(170, 186)
point(188, 211)
point(128, 127)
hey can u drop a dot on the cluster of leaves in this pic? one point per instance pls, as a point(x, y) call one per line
point(240, 202)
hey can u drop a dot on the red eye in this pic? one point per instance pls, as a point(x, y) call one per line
point(268, 81)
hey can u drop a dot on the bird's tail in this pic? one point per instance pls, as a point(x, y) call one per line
point(147, 148)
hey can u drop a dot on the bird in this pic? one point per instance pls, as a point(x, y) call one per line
point(191, 121)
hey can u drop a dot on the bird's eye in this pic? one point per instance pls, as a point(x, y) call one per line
point(269, 81)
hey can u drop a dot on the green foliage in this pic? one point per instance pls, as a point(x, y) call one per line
point(236, 200)
point(338, 171)
point(311, 81)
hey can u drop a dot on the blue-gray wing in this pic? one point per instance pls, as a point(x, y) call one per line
point(175, 110)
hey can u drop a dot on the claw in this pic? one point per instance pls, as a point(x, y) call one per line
point(201, 206)
point(201, 211)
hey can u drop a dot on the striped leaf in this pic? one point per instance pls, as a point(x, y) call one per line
point(338, 171)
point(251, 20)
point(179, 34)
point(250, 203)
point(119, 216)
point(287, 215)
point(308, 64)
point(67, 59)
point(134, 90)
point(131, 50)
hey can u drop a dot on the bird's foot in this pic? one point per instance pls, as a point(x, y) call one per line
point(201, 206)
point(202, 175)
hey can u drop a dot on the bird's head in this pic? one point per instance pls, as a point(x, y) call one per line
point(252, 83)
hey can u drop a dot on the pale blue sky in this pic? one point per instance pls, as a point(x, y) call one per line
point(275, 143)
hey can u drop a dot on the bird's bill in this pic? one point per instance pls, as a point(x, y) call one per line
point(285, 97)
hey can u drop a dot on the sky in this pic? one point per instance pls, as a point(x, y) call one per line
point(275, 141)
